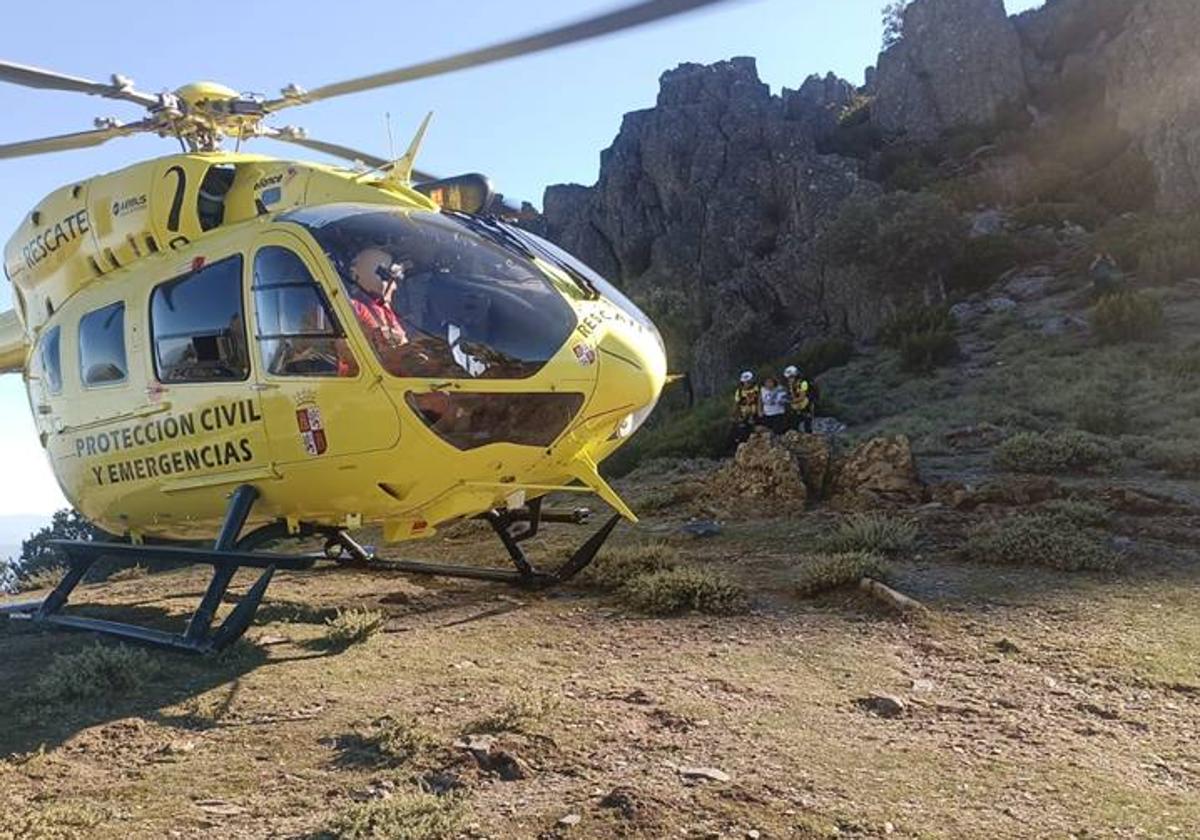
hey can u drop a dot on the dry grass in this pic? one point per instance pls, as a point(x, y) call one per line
point(129, 573)
point(44, 578)
point(54, 821)
point(823, 572)
point(411, 815)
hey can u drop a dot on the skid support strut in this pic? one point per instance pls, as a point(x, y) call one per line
point(199, 636)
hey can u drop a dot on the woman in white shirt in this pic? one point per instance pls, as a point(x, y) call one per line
point(775, 401)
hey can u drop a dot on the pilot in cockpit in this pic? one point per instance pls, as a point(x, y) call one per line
point(376, 275)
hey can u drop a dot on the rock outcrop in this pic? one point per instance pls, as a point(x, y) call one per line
point(880, 472)
point(706, 209)
point(763, 473)
point(958, 63)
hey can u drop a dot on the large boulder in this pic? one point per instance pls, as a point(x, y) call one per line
point(958, 63)
point(762, 471)
point(880, 472)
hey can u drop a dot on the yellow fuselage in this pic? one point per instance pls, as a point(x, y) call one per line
point(146, 457)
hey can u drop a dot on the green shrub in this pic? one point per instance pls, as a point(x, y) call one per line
point(99, 672)
point(984, 259)
point(816, 357)
point(616, 566)
point(1053, 452)
point(871, 533)
point(823, 572)
point(923, 352)
point(521, 714)
point(921, 319)
point(398, 741)
point(1039, 541)
point(1162, 249)
point(1102, 412)
point(405, 816)
point(1056, 214)
point(1186, 363)
point(1076, 512)
point(1177, 458)
point(684, 588)
point(1128, 316)
point(350, 627)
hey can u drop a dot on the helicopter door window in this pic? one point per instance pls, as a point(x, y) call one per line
point(298, 334)
point(198, 325)
point(50, 361)
point(102, 345)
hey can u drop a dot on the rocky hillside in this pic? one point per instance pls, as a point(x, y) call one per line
point(720, 208)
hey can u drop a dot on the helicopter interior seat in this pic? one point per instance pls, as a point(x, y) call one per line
point(210, 204)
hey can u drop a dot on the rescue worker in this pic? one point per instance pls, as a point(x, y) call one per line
point(803, 403)
point(775, 405)
point(747, 407)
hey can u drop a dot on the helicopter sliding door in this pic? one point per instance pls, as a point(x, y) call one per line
point(319, 402)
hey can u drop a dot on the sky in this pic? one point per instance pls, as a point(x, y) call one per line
point(527, 123)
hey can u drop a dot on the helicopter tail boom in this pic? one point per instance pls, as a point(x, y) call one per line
point(13, 345)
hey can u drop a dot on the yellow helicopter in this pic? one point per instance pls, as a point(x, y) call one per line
point(221, 343)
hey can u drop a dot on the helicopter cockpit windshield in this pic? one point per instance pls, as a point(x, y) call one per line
point(437, 299)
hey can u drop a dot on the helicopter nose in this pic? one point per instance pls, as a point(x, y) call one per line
point(633, 370)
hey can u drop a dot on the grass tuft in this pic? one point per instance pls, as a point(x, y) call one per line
point(405, 816)
point(1177, 458)
point(1053, 452)
point(1036, 540)
point(1076, 512)
point(95, 673)
point(55, 821)
point(353, 626)
point(135, 572)
point(46, 577)
point(685, 588)
point(391, 742)
point(1128, 316)
point(519, 714)
point(872, 533)
point(823, 572)
point(616, 566)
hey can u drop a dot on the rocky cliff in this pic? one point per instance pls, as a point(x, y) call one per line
point(706, 209)
point(707, 205)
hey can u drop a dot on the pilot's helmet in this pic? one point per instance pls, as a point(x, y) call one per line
point(791, 372)
point(747, 377)
point(371, 264)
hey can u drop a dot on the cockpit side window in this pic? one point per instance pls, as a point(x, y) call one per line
point(102, 346)
point(435, 298)
point(50, 360)
point(198, 327)
point(298, 334)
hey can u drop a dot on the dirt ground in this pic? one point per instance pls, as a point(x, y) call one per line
point(1035, 704)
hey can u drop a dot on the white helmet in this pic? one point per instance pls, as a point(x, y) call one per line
point(791, 372)
point(747, 377)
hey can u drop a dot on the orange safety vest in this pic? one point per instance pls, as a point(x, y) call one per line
point(746, 400)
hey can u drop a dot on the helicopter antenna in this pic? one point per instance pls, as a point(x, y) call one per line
point(402, 169)
point(387, 120)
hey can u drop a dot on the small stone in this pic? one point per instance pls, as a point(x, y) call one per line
point(701, 529)
point(753, 834)
point(712, 774)
point(922, 685)
point(570, 819)
point(889, 828)
point(1007, 646)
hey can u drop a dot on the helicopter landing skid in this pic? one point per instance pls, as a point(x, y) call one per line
point(226, 557)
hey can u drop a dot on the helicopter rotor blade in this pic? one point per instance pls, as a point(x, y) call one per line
point(35, 77)
point(639, 14)
point(78, 140)
point(297, 138)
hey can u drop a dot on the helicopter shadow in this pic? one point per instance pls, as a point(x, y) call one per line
point(55, 684)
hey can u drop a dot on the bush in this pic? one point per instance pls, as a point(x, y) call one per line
point(1186, 363)
point(823, 572)
point(350, 627)
point(1177, 458)
point(1053, 452)
point(519, 714)
point(1161, 249)
point(1128, 316)
point(1102, 413)
point(36, 553)
point(816, 357)
point(616, 566)
point(406, 816)
point(398, 741)
point(871, 533)
point(1076, 512)
point(923, 335)
point(1053, 214)
point(684, 588)
point(42, 577)
point(99, 672)
point(1039, 541)
point(984, 259)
